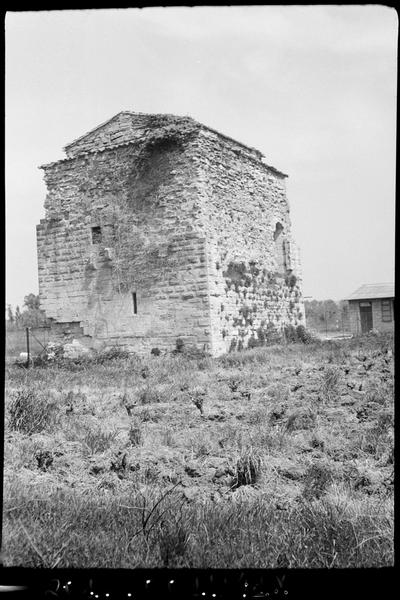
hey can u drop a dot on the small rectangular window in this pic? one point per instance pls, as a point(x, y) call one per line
point(134, 300)
point(96, 235)
point(386, 311)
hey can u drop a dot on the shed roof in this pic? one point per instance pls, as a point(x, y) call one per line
point(369, 291)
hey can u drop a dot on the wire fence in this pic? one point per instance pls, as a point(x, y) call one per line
point(16, 341)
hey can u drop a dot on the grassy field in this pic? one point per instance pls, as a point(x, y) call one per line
point(279, 456)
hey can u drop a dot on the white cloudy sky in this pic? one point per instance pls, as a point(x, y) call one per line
point(312, 87)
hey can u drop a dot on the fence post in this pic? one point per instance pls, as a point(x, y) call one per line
point(27, 346)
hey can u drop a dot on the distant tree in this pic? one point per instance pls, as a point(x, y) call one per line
point(325, 315)
point(32, 302)
point(10, 314)
point(18, 315)
point(32, 315)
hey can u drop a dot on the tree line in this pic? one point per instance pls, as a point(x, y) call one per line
point(327, 315)
point(31, 314)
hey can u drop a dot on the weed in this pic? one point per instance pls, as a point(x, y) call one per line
point(44, 459)
point(31, 411)
point(248, 468)
point(118, 464)
point(330, 381)
point(135, 434)
point(197, 396)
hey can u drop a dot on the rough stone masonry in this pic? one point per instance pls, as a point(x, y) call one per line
point(158, 228)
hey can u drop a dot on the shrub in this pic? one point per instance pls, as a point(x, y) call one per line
point(303, 335)
point(113, 353)
point(31, 411)
point(97, 440)
point(248, 468)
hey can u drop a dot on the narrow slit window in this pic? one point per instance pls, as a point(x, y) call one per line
point(134, 302)
point(279, 240)
point(96, 235)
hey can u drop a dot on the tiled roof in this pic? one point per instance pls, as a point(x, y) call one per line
point(369, 291)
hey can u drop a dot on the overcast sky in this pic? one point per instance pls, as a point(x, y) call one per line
point(312, 87)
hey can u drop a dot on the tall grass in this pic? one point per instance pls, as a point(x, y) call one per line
point(126, 531)
point(31, 410)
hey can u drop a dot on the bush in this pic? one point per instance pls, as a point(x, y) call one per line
point(113, 353)
point(31, 411)
point(303, 335)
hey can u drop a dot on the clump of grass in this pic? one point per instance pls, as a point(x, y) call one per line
point(102, 526)
point(278, 413)
point(31, 411)
point(317, 442)
point(150, 415)
point(168, 437)
point(279, 393)
point(301, 419)
point(97, 440)
point(379, 392)
point(135, 434)
point(317, 479)
point(173, 541)
point(272, 440)
point(248, 468)
point(149, 395)
point(330, 381)
point(376, 441)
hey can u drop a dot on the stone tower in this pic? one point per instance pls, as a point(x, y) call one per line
point(157, 228)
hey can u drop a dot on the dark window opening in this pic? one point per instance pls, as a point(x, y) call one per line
point(278, 231)
point(96, 235)
point(279, 240)
point(386, 311)
point(134, 300)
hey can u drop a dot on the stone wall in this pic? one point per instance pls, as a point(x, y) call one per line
point(255, 280)
point(159, 228)
point(145, 204)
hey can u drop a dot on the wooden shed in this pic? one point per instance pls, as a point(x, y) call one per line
point(371, 306)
